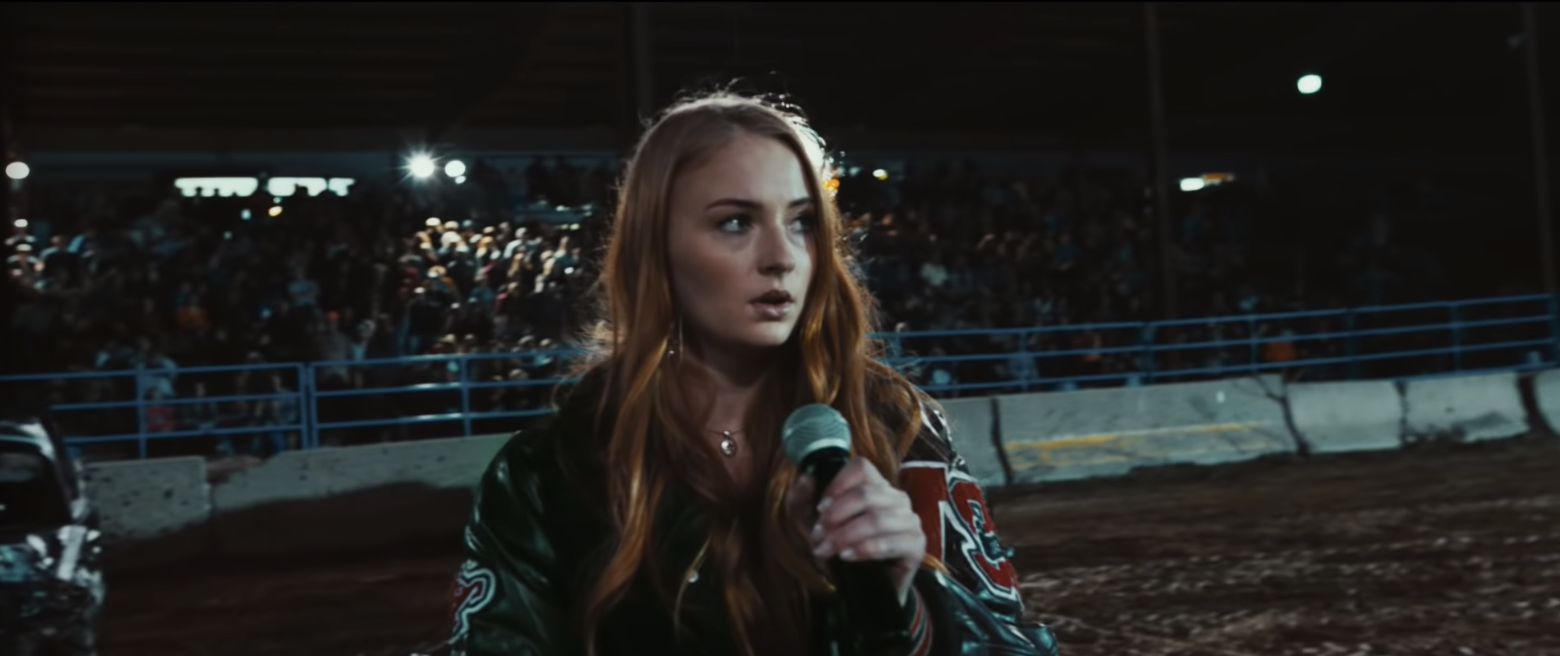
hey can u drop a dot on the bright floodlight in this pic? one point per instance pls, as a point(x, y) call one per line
point(1309, 84)
point(880, 174)
point(17, 170)
point(1191, 184)
point(455, 168)
point(421, 166)
point(276, 210)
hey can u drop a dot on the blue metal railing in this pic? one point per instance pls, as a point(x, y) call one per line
point(143, 383)
point(314, 404)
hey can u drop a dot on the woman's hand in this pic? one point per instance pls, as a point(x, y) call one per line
point(861, 517)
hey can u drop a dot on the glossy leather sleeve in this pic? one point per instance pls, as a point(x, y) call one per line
point(964, 626)
point(977, 606)
point(507, 599)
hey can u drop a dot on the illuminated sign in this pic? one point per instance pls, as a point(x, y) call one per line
point(1206, 180)
point(280, 187)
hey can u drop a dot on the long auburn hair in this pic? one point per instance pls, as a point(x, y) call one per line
point(654, 441)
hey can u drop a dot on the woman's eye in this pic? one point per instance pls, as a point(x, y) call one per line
point(804, 222)
point(736, 223)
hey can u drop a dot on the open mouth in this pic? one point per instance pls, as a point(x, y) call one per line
point(774, 297)
point(774, 305)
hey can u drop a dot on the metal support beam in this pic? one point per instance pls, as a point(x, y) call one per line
point(509, 58)
point(15, 357)
point(1546, 238)
point(1232, 82)
point(9, 150)
point(1169, 305)
point(636, 91)
point(1331, 40)
point(640, 52)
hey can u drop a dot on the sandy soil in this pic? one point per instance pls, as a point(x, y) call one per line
point(1449, 550)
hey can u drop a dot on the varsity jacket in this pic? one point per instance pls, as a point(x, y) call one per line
point(540, 532)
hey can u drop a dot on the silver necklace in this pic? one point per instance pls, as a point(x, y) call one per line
point(728, 444)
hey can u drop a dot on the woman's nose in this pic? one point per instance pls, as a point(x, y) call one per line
point(777, 253)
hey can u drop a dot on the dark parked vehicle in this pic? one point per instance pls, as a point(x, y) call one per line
point(51, 581)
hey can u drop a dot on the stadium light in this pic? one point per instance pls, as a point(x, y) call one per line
point(455, 168)
point(1191, 184)
point(208, 187)
point(340, 185)
point(1309, 84)
point(276, 210)
point(421, 166)
point(880, 174)
point(17, 170)
point(460, 179)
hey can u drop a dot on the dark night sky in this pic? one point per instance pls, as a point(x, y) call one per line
point(1414, 79)
point(1398, 75)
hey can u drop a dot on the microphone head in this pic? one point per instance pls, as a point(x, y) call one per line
point(812, 428)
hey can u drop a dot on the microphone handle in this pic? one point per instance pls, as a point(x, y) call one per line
point(872, 621)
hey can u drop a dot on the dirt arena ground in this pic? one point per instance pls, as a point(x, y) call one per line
point(1446, 550)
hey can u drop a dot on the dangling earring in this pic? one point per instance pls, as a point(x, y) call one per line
point(675, 348)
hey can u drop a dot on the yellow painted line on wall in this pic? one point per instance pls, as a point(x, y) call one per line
point(1046, 447)
point(1101, 438)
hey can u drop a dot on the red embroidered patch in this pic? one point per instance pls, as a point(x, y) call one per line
point(956, 521)
point(471, 591)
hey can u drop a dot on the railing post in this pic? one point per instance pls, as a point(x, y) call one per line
point(140, 414)
point(1147, 337)
point(1353, 344)
point(1023, 354)
point(465, 394)
point(1554, 327)
point(1253, 360)
point(1456, 338)
point(308, 407)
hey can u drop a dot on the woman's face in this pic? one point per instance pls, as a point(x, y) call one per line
point(741, 244)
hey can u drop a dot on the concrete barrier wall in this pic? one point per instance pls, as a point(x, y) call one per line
point(318, 473)
point(1347, 416)
point(151, 512)
point(142, 499)
point(1071, 435)
point(340, 499)
point(972, 427)
point(1471, 408)
point(334, 499)
point(1546, 395)
point(352, 498)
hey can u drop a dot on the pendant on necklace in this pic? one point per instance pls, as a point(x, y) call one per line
point(728, 446)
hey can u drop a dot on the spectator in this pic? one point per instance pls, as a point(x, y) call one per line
point(280, 411)
point(946, 246)
point(160, 417)
point(332, 346)
point(22, 263)
point(157, 371)
point(19, 238)
point(199, 414)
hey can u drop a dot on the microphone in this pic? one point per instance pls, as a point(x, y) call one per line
point(816, 438)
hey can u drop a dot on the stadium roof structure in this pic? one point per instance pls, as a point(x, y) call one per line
point(230, 75)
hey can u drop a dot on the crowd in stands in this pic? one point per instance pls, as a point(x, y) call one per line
point(155, 290)
point(210, 281)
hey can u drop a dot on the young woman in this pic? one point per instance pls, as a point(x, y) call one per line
point(658, 514)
